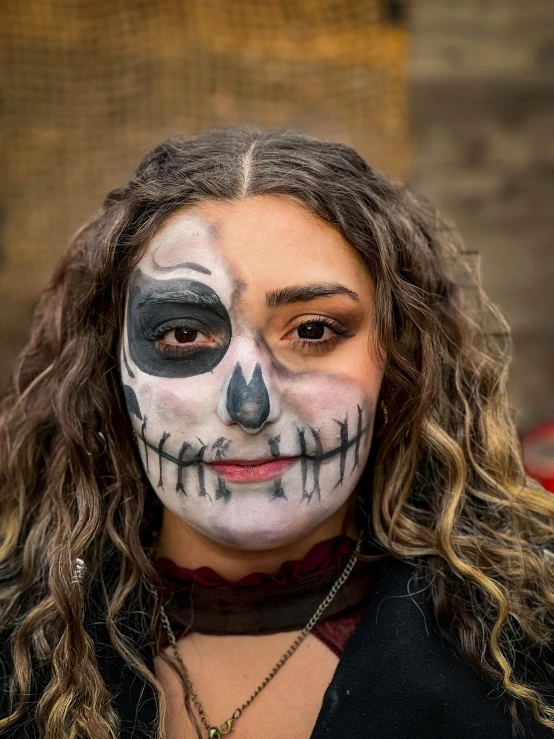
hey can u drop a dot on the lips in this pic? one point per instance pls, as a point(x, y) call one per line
point(253, 471)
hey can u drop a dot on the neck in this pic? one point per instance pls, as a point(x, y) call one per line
point(189, 548)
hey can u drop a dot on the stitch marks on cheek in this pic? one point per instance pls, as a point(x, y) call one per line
point(358, 439)
point(164, 438)
point(343, 447)
point(317, 462)
point(182, 452)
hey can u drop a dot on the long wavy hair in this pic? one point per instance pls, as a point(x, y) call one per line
point(444, 485)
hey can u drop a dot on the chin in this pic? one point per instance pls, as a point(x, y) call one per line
point(260, 533)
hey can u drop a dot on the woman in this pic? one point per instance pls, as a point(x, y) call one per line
point(254, 386)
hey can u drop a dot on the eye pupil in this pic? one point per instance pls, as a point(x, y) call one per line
point(311, 330)
point(185, 335)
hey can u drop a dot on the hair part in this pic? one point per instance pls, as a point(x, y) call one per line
point(444, 485)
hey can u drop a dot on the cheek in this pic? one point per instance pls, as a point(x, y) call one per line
point(176, 402)
point(321, 397)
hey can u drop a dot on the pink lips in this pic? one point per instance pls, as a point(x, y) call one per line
point(253, 471)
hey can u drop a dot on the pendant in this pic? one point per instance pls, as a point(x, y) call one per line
point(217, 733)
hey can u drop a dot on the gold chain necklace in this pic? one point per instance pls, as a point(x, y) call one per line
point(215, 732)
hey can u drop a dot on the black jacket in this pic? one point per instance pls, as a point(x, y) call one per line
point(397, 679)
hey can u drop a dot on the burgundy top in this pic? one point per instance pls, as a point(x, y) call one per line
point(201, 600)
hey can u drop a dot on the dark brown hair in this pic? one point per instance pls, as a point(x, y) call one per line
point(445, 484)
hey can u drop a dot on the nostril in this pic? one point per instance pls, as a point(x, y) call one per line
point(248, 402)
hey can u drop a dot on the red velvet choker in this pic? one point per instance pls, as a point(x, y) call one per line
point(203, 601)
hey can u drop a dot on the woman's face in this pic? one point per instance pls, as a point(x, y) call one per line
point(249, 368)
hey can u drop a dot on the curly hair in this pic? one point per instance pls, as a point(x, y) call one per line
point(444, 485)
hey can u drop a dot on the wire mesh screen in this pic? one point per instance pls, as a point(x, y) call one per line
point(91, 84)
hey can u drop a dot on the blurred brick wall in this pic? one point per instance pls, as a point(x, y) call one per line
point(89, 86)
point(483, 101)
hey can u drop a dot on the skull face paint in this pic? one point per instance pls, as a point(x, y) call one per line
point(247, 369)
point(158, 306)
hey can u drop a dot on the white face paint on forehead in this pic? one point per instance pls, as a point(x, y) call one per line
point(243, 449)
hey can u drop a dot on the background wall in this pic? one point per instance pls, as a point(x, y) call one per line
point(483, 109)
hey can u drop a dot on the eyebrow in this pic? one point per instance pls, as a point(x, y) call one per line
point(304, 293)
point(184, 296)
point(183, 265)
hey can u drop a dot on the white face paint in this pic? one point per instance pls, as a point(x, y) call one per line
point(248, 450)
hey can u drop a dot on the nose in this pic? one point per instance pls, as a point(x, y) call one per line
point(248, 402)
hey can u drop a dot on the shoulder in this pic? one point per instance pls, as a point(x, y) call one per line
point(398, 678)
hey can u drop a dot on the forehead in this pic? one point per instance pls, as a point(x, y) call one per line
point(263, 242)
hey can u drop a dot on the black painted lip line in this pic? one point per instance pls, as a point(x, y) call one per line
point(312, 457)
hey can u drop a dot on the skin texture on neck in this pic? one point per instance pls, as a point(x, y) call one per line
point(189, 548)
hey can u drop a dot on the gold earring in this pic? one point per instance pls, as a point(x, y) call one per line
point(385, 412)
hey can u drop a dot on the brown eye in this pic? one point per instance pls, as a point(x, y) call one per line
point(185, 335)
point(311, 330)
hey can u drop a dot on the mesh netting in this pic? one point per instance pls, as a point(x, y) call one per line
point(91, 84)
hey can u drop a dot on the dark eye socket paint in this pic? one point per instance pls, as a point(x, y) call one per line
point(156, 306)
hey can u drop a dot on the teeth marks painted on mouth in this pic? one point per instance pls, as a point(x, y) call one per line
point(182, 453)
point(278, 491)
point(221, 447)
point(203, 493)
point(315, 460)
point(312, 457)
point(274, 446)
point(222, 492)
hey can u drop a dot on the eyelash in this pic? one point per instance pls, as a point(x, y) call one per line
point(175, 351)
point(167, 327)
point(321, 345)
point(308, 345)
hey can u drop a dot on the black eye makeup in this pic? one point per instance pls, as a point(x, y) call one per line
point(181, 338)
point(176, 328)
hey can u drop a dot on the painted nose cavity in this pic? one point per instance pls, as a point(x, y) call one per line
point(248, 403)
